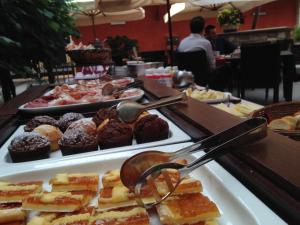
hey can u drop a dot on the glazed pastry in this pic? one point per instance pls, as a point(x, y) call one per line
point(40, 120)
point(29, 146)
point(285, 123)
point(151, 128)
point(52, 133)
point(76, 141)
point(68, 118)
point(103, 114)
point(112, 133)
point(85, 124)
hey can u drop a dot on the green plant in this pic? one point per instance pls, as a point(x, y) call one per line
point(297, 34)
point(34, 31)
point(231, 16)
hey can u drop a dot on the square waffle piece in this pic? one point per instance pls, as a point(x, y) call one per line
point(55, 202)
point(12, 214)
point(187, 209)
point(15, 192)
point(130, 216)
point(119, 196)
point(75, 182)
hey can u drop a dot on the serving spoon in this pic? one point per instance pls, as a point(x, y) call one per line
point(144, 167)
point(128, 111)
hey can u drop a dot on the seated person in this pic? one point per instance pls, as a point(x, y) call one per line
point(218, 43)
point(196, 41)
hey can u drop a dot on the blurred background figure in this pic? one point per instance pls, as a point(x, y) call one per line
point(219, 43)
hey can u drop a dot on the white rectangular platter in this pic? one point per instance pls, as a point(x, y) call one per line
point(176, 135)
point(238, 206)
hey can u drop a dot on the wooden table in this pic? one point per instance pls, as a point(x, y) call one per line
point(269, 168)
point(288, 71)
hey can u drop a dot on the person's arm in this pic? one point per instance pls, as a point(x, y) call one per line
point(229, 46)
point(210, 56)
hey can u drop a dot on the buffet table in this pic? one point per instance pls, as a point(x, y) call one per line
point(268, 168)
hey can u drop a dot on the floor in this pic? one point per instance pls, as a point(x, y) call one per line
point(256, 95)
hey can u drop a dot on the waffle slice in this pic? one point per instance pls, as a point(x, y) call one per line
point(55, 202)
point(132, 216)
point(187, 209)
point(12, 214)
point(15, 192)
point(75, 182)
point(119, 196)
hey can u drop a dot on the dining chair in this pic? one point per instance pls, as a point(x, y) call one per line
point(260, 67)
point(195, 62)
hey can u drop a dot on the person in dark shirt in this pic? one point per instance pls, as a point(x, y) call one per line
point(218, 43)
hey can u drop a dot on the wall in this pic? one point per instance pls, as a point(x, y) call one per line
point(152, 32)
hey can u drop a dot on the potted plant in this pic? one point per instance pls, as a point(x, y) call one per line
point(230, 19)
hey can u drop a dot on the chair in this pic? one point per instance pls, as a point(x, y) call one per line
point(197, 63)
point(260, 67)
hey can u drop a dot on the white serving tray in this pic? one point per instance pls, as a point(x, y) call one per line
point(176, 135)
point(238, 206)
point(63, 108)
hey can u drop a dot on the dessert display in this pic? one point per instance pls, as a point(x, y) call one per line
point(40, 120)
point(76, 141)
point(82, 94)
point(151, 128)
point(65, 202)
point(65, 121)
point(53, 134)
point(202, 95)
point(74, 134)
point(29, 146)
point(112, 133)
point(288, 123)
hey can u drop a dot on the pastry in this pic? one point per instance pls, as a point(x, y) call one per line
point(54, 202)
point(187, 209)
point(72, 219)
point(12, 214)
point(76, 141)
point(15, 192)
point(39, 120)
point(285, 123)
point(75, 182)
point(111, 178)
point(65, 121)
point(103, 114)
point(151, 128)
point(112, 134)
point(29, 146)
point(133, 216)
point(85, 124)
point(298, 121)
point(52, 133)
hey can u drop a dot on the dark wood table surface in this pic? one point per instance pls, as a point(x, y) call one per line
point(288, 71)
point(269, 168)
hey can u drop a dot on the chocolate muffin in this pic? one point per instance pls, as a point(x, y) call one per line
point(114, 134)
point(151, 128)
point(103, 114)
point(65, 121)
point(76, 141)
point(28, 147)
point(40, 120)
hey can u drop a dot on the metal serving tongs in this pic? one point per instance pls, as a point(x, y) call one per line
point(142, 169)
point(129, 111)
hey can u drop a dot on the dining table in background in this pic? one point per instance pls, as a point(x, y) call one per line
point(288, 65)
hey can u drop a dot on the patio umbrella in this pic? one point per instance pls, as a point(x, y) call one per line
point(96, 16)
point(210, 8)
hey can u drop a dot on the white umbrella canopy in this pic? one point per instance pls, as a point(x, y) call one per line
point(121, 5)
point(210, 8)
point(82, 19)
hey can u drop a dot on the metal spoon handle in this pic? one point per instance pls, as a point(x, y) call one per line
point(166, 101)
point(249, 131)
point(218, 139)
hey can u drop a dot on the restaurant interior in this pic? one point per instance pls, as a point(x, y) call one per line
point(149, 112)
